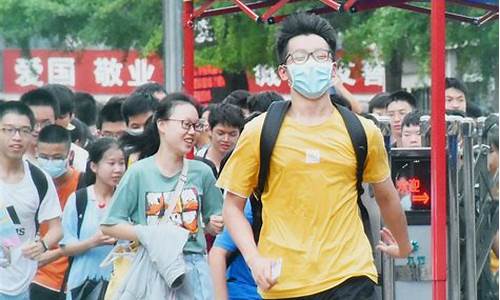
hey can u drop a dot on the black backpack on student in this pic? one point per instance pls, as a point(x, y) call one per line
point(269, 134)
point(81, 199)
point(41, 185)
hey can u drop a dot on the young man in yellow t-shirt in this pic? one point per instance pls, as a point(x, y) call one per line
point(310, 213)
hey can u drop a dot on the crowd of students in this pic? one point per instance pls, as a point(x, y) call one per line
point(122, 201)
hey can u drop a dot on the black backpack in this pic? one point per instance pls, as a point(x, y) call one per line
point(81, 198)
point(41, 185)
point(269, 134)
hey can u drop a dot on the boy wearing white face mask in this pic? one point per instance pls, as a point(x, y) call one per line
point(53, 153)
point(312, 244)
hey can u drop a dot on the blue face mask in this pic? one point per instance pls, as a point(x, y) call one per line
point(311, 79)
point(54, 167)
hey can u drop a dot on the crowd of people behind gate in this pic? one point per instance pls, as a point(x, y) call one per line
point(125, 201)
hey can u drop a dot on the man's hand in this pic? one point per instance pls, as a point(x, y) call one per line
point(33, 250)
point(389, 246)
point(261, 268)
point(216, 225)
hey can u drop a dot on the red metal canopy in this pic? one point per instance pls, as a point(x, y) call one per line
point(438, 40)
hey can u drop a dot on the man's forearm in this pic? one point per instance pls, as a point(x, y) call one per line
point(392, 213)
point(217, 261)
point(395, 219)
point(54, 234)
point(238, 226)
point(50, 256)
point(121, 231)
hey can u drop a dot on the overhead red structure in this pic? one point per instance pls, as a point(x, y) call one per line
point(438, 41)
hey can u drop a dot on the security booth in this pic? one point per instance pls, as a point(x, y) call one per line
point(411, 175)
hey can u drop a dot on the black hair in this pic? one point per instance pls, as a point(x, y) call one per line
point(378, 101)
point(81, 133)
point(226, 114)
point(116, 99)
point(337, 99)
point(402, 96)
point(110, 112)
point(238, 98)
point(96, 153)
point(137, 104)
point(186, 98)
point(148, 142)
point(260, 102)
point(86, 108)
point(149, 89)
point(451, 82)
point(473, 110)
point(18, 108)
point(303, 24)
point(41, 97)
point(411, 119)
point(64, 96)
point(55, 134)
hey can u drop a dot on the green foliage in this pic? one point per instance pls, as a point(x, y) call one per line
point(390, 30)
point(231, 51)
point(240, 42)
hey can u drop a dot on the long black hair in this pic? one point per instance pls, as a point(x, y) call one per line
point(96, 153)
point(148, 142)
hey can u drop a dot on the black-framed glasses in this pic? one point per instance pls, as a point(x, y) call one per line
point(186, 125)
point(301, 56)
point(11, 131)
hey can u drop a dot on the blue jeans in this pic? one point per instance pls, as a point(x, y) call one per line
point(23, 296)
point(198, 281)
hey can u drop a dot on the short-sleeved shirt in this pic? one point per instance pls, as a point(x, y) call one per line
point(310, 213)
point(51, 275)
point(143, 192)
point(240, 283)
point(23, 200)
point(86, 264)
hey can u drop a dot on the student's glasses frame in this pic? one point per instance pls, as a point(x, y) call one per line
point(186, 125)
point(11, 131)
point(301, 56)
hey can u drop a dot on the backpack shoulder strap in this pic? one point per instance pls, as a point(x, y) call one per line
point(359, 142)
point(41, 185)
point(82, 181)
point(81, 204)
point(81, 199)
point(358, 139)
point(268, 136)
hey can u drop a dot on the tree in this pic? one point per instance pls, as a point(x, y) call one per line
point(400, 35)
point(240, 43)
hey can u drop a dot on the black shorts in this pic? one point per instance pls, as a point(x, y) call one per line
point(355, 288)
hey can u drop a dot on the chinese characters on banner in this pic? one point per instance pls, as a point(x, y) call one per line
point(94, 71)
point(113, 72)
point(359, 78)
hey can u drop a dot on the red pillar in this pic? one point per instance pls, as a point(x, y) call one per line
point(438, 150)
point(188, 27)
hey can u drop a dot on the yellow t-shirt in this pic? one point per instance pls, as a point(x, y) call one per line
point(310, 213)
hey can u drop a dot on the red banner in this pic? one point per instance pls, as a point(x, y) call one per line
point(114, 72)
